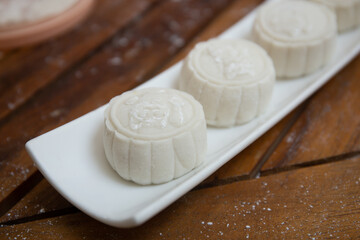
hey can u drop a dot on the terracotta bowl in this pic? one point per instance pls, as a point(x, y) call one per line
point(31, 33)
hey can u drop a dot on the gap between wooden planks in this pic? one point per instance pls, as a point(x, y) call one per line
point(296, 204)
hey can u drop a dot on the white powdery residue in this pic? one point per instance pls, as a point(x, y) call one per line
point(227, 225)
point(253, 207)
point(122, 42)
point(56, 113)
point(221, 233)
point(247, 226)
point(311, 206)
point(115, 61)
point(290, 138)
point(269, 209)
point(42, 210)
point(210, 223)
point(202, 222)
point(131, 53)
point(11, 106)
point(176, 40)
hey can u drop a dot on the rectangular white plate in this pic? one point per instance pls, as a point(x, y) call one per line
point(71, 157)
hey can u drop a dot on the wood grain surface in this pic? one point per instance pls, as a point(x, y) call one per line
point(329, 125)
point(300, 180)
point(296, 204)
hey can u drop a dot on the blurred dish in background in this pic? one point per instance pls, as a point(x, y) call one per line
point(32, 21)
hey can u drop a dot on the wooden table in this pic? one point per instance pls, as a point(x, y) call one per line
point(300, 180)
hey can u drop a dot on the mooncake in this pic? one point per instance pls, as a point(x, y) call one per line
point(232, 78)
point(154, 135)
point(299, 36)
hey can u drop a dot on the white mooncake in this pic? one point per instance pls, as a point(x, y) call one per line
point(347, 13)
point(154, 135)
point(299, 36)
point(232, 79)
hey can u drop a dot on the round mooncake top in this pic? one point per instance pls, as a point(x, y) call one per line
point(19, 12)
point(229, 62)
point(153, 113)
point(296, 21)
